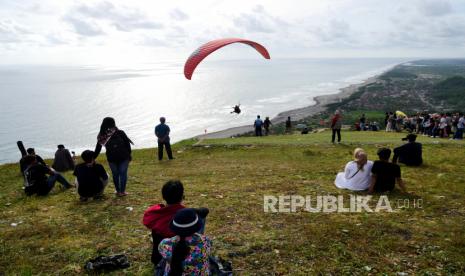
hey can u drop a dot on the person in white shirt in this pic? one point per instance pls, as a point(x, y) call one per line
point(357, 173)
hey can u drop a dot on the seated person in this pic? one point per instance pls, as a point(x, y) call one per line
point(63, 160)
point(357, 173)
point(158, 217)
point(188, 252)
point(30, 151)
point(385, 174)
point(91, 177)
point(410, 153)
point(36, 181)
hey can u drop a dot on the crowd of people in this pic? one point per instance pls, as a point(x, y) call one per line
point(441, 125)
point(180, 246)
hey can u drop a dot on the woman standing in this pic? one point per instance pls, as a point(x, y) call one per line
point(118, 151)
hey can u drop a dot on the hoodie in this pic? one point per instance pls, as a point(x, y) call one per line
point(158, 218)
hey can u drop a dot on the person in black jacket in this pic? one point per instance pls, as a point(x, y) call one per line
point(91, 177)
point(30, 151)
point(63, 160)
point(409, 154)
point(118, 151)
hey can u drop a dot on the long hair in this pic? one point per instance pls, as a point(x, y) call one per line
point(180, 251)
point(107, 123)
point(360, 157)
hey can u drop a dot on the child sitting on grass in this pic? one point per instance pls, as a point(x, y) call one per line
point(158, 217)
point(188, 252)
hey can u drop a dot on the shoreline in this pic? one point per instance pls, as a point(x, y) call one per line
point(299, 113)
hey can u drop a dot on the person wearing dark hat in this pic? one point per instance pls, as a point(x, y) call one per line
point(158, 217)
point(410, 153)
point(384, 175)
point(162, 131)
point(188, 252)
point(91, 177)
point(63, 160)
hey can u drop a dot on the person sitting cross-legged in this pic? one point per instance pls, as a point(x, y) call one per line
point(91, 177)
point(385, 174)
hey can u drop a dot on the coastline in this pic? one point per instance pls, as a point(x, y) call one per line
point(297, 114)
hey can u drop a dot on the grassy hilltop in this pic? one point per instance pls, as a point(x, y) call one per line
point(57, 234)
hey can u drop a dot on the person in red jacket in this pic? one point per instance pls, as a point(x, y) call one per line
point(158, 217)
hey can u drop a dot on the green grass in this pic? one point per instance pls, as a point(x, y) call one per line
point(231, 176)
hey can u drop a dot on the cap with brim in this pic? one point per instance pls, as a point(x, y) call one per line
point(409, 137)
point(186, 222)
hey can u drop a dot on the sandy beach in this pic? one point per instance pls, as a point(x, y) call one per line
point(296, 114)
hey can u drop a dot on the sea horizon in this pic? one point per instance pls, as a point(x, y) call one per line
point(47, 105)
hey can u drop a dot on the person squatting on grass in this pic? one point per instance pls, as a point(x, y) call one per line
point(158, 217)
point(36, 181)
point(188, 252)
point(357, 173)
point(385, 174)
point(91, 177)
point(118, 151)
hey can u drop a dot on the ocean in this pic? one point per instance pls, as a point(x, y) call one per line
point(44, 106)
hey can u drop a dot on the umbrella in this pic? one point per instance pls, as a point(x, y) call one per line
point(400, 113)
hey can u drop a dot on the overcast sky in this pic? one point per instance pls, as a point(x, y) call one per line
point(114, 31)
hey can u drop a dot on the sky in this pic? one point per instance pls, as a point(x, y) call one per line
point(123, 32)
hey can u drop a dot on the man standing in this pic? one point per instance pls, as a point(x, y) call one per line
point(410, 154)
point(162, 131)
point(336, 125)
point(266, 124)
point(458, 135)
point(288, 125)
point(363, 122)
point(258, 124)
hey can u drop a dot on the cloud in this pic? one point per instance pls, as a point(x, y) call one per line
point(435, 7)
point(10, 32)
point(259, 21)
point(82, 27)
point(178, 15)
point(123, 18)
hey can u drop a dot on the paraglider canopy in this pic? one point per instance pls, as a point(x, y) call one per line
point(203, 51)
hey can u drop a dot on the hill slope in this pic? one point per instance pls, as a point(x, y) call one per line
point(57, 234)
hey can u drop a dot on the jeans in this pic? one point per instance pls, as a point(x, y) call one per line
point(54, 178)
point(168, 150)
point(458, 134)
point(338, 131)
point(120, 175)
point(258, 131)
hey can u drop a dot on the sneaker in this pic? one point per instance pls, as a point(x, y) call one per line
point(124, 194)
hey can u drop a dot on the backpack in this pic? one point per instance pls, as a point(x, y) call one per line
point(29, 182)
point(258, 123)
point(118, 148)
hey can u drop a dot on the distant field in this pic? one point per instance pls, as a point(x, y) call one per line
point(58, 234)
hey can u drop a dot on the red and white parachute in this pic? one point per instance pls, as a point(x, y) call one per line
point(203, 51)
